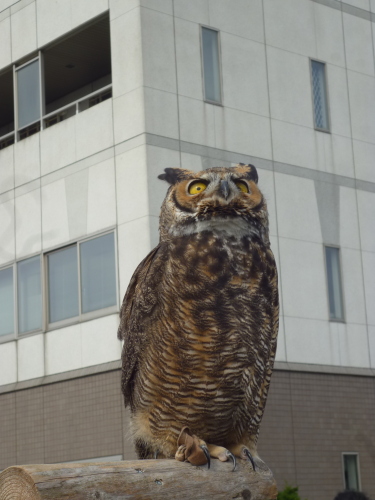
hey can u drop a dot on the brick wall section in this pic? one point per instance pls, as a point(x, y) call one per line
point(309, 421)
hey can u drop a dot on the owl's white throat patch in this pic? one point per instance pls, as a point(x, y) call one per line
point(236, 227)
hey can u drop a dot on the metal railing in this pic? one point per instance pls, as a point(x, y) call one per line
point(58, 115)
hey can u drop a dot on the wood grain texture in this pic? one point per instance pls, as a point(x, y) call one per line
point(136, 480)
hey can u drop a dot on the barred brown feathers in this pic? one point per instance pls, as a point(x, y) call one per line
point(200, 318)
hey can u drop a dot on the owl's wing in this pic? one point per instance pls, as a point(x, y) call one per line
point(137, 310)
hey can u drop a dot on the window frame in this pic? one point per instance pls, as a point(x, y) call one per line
point(319, 129)
point(355, 453)
point(73, 108)
point(82, 317)
point(342, 319)
point(216, 103)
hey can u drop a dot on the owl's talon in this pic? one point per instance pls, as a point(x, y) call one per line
point(207, 453)
point(233, 458)
point(249, 456)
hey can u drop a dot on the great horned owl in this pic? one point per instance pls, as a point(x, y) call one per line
point(199, 321)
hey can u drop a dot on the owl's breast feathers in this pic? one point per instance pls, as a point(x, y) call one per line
point(199, 322)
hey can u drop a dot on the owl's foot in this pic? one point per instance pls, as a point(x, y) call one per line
point(242, 451)
point(197, 452)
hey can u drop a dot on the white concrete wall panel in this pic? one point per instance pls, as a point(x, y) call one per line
point(290, 25)
point(131, 185)
point(362, 106)
point(24, 31)
point(334, 154)
point(366, 211)
point(94, 129)
point(329, 35)
point(196, 11)
point(368, 260)
point(297, 208)
point(358, 44)
point(28, 224)
point(289, 87)
point(354, 346)
point(5, 43)
point(8, 363)
point(294, 144)
point(7, 237)
point(55, 224)
point(30, 352)
point(308, 341)
point(6, 169)
point(101, 200)
point(157, 160)
point(27, 160)
point(53, 22)
point(338, 101)
point(161, 113)
point(196, 121)
point(353, 287)
point(99, 341)
point(159, 62)
point(267, 186)
point(244, 74)
point(4, 4)
point(361, 4)
point(303, 279)
point(83, 11)
point(281, 342)
point(188, 58)
point(63, 350)
point(58, 146)
point(128, 115)
point(349, 228)
point(126, 52)
point(364, 154)
point(245, 19)
point(242, 132)
point(133, 246)
point(118, 8)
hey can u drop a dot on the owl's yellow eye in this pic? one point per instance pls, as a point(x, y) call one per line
point(197, 187)
point(242, 186)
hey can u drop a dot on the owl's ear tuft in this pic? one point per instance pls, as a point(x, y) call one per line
point(248, 172)
point(174, 175)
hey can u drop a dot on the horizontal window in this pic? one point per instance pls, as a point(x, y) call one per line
point(81, 278)
point(80, 283)
point(65, 78)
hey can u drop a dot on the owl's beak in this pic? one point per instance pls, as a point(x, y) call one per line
point(224, 189)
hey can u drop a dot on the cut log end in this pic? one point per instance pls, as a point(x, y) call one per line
point(17, 484)
point(136, 480)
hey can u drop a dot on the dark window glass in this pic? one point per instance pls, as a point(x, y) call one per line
point(6, 302)
point(29, 293)
point(334, 283)
point(211, 65)
point(98, 273)
point(63, 284)
point(318, 70)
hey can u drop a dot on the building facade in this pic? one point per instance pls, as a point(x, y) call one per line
point(97, 97)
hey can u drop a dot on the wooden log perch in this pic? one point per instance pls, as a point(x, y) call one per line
point(135, 480)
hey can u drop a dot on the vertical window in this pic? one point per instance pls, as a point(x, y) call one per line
point(29, 294)
point(334, 283)
point(98, 273)
point(319, 90)
point(6, 302)
point(351, 473)
point(28, 94)
point(63, 284)
point(6, 109)
point(211, 65)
